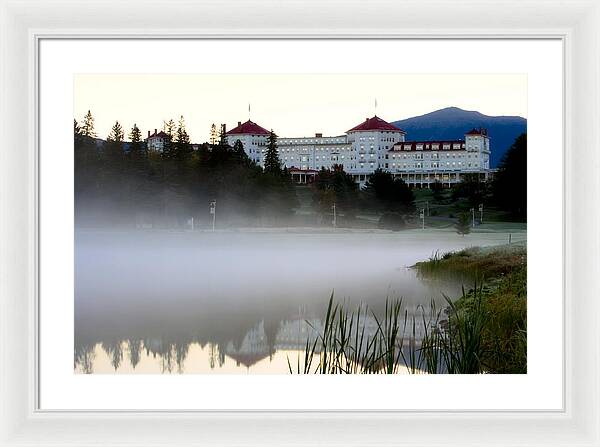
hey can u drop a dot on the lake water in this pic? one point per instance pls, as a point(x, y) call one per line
point(237, 302)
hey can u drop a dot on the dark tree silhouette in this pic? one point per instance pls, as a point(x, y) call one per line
point(471, 187)
point(272, 162)
point(438, 190)
point(137, 148)
point(510, 182)
point(336, 186)
point(87, 127)
point(383, 191)
point(463, 225)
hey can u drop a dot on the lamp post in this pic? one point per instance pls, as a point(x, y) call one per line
point(481, 213)
point(473, 217)
point(213, 211)
point(334, 216)
point(422, 216)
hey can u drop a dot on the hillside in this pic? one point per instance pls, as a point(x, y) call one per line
point(452, 123)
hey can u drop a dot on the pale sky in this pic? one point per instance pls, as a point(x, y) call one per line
point(293, 105)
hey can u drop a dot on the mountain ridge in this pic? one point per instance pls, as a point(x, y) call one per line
point(451, 123)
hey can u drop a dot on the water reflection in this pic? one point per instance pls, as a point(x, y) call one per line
point(234, 303)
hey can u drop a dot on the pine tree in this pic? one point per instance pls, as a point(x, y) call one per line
point(114, 141)
point(223, 137)
point(272, 162)
point(85, 153)
point(169, 129)
point(182, 146)
point(182, 136)
point(463, 225)
point(77, 137)
point(116, 133)
point(213, 134)
point(136, 149)
point(240, 153)
point(87, 128)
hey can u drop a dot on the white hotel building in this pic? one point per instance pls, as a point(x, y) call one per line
point(373, 144)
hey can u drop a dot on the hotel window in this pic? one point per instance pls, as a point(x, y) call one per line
point(419, 147)
point(435, 147)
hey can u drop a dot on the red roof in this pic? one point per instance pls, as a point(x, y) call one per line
point(375, 123)
point(248, 128)
point(160, 134)
point(480, 131)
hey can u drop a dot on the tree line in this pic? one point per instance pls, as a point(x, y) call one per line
point(119, 182)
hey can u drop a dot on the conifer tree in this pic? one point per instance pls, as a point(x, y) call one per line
point(272, 162)
point(78, 138)
point(136, 149)
point(116, 133)
point(169, 129)
point(223, 137)
point(240, 153)
point(114, 141)
point(463, 226)
point(87, 127)
point(182, 145)
point(213, 134)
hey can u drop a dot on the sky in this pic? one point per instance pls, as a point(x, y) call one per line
point(293, 105)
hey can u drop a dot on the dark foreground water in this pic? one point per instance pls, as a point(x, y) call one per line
point(237, 302)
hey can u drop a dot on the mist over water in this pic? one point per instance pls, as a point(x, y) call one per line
point(227, 301)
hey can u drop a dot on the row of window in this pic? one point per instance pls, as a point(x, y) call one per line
point(433, 156)
point(433, 165)
point(312, 141)
point(434, 146)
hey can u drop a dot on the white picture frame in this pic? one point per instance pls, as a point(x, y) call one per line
point(23, 24)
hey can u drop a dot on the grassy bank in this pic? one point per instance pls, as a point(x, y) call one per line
point(500, 301)
point(484, 331)
point(476, 263)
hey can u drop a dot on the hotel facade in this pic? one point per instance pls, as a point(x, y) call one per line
point(372, 144)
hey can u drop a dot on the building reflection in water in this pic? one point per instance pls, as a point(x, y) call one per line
point(269, 345)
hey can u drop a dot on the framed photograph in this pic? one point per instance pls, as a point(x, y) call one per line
point(257, 216)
